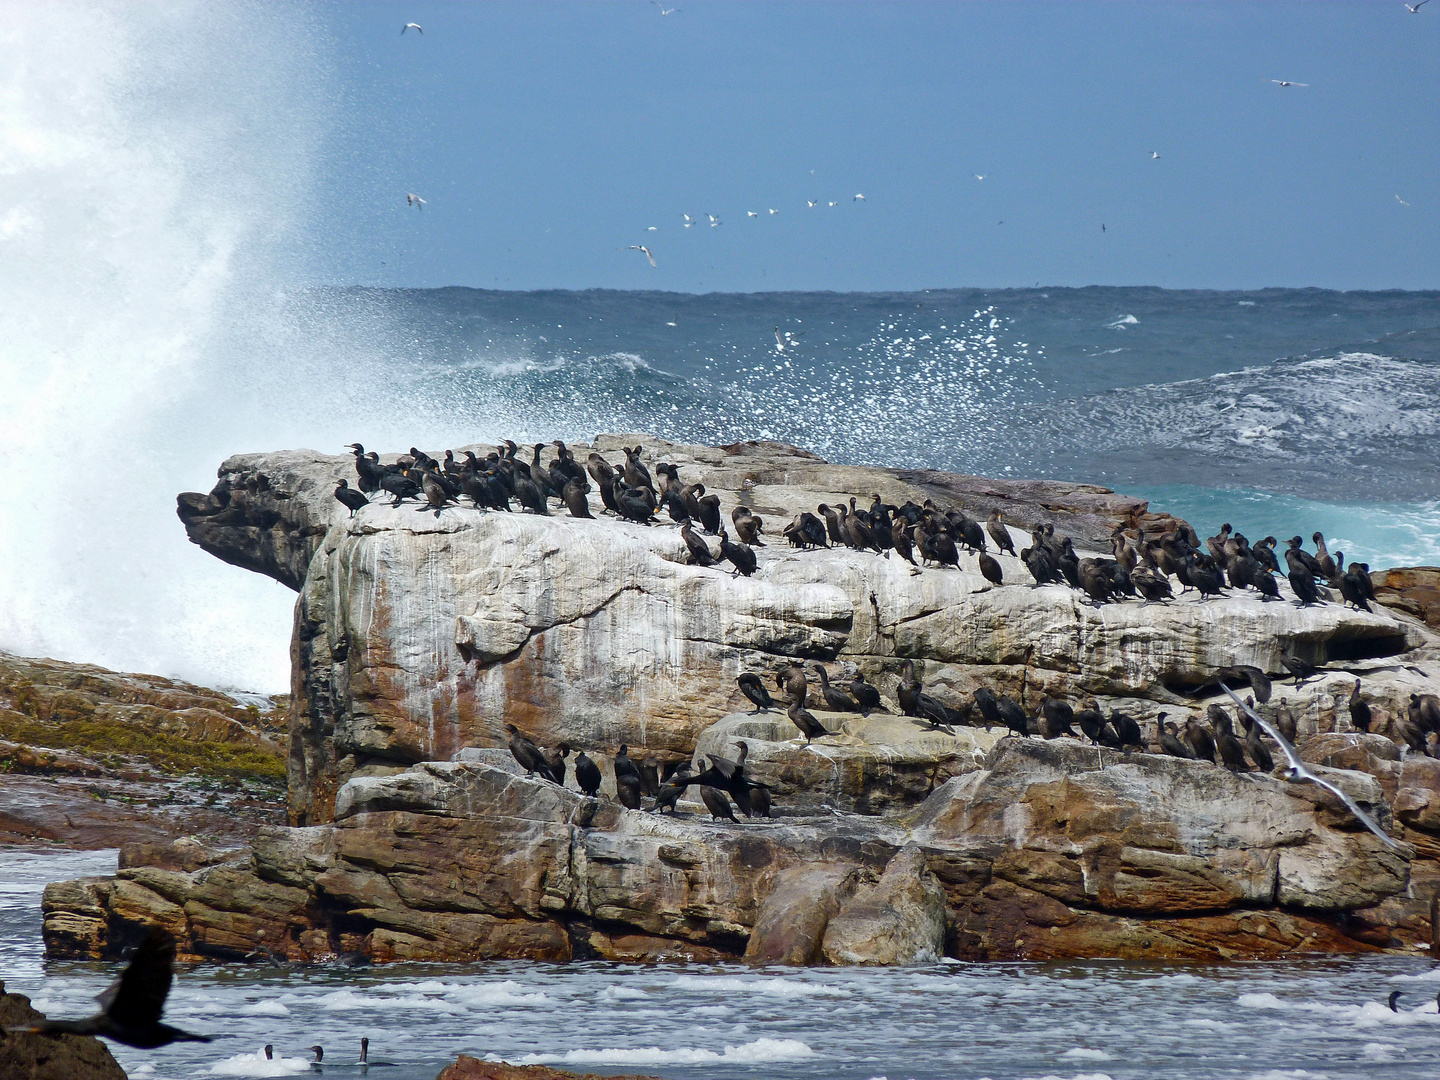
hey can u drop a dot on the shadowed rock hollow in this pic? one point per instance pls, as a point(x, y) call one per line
point(418, 637)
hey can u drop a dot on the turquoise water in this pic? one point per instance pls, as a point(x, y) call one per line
point(1382, 534)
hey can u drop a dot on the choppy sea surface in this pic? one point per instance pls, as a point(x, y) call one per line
point(1083, 1020)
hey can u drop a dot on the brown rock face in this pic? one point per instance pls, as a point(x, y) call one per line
point(790, 925)
point(900, 919)
point(48, 1057)
point(1414, 590)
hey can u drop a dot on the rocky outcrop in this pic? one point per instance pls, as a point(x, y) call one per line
point(1414, 590)
point(417, 637)
point(48, 1057)
point(96, 758)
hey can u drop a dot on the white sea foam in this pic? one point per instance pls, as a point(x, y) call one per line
point(268, 1007)
point(755, 1052)
point(1085, 1053)
point(776, 986)
point(621, 993)
point(1367, 1014)
point(257, 1064)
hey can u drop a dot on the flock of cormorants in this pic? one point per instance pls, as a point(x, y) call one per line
point(1139, 566)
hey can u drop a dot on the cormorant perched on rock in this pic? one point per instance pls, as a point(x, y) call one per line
point(349, 497)
point(1001, 535)
point(1323, 560)
point(1091, 721)
point(901, 542)
point(938, 546)
point(865, 694)
point(1202, 574)
point(1151, 584)
point(1302, 580)
point(573, 495)
point(670, 791)
point(759, 803)
point(587, 774)
point(634, 503)
point(1285, 721)
point(1303, 557)
point(132, 1006)
point(1359, 710)
point(806, 531)
point(1127, 731)
point(989, 707)
point(436, 497)
point(748, 526)
point(835, 700)
point(754, 689)
point(1232, 754)
point(1297, 667)
point(604, 475)
point(738, 555)
point(1425, 712)
point(556, 760)
point(1056, 718)
point(1041, 564)
point(1200, 741)
point(700, 553)
point(990, 569)
point(628, 783)
point(399, 485)
point(1264, 553)
point(970, 533)
point(710, 513)
point(1216, 544)
point(1168, 740)
point(636, 474)
point(528, 755)
point(529, 493)
point(1239, 675)
point(1266, 585)
point(915, 702)
point(1094, 580)
point(718, 803)
point(832, 524)
point(1258, 751)
point(366, 470)
point(809, 726)
point(1352, 583)
point(650, 777)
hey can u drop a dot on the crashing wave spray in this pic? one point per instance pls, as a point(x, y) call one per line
point(148, 158)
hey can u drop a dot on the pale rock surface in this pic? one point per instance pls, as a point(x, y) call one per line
point(900, 919)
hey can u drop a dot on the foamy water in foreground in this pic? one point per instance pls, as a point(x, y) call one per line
point(1291, 1020)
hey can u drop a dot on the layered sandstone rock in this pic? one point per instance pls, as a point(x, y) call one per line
point(48, 1057)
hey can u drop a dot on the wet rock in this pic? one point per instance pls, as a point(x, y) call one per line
point(469, 1068)
point(1414, 590)
point(48, 1057)
point(791, 921)
point(900, 919)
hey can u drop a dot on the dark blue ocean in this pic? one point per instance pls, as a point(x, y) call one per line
point(1280, 410)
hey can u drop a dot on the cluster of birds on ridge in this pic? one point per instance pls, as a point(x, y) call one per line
point(1139, 566)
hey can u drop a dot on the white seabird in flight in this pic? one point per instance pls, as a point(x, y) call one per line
point(1401, 201)
point(1414, 9)
point(811, 203)
point(713, 220)
point(1154, 155)
point(1297, 771)
point(411, 199)
point(409, 26)
point(1286, 82)
point(773, 210)
point(688, 220)
point(645, 250)
point(979, 177)
point(858, 198)
point(663, 11)
point(752, 213)
point(785, 339)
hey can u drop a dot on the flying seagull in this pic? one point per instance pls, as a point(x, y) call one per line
point(663, 11)
point(713, 220)
point(1296, 770)
point(811, 203)
point(773, 210)
point(979, 177)
point(416, 26)
point(1414, 9)
point(834, 202)
point(412, 199)
point(652, 228)
point(785, 339)
point(1283, 82)
point(1401, 201)
point(1154, 155)
point(646, 250)
point(752, 213)
point(133, 1004)
point(688, 220)
point(858, 198)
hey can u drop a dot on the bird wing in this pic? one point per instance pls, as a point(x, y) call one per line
point(1299, 770)
point(137, 998)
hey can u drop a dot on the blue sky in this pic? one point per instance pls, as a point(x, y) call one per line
point(547, 137)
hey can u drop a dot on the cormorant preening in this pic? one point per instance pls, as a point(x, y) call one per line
point(1200, 741)
point(1151, 583)
point(1127, 731)
point(901, 542)
point(1353, 584)
point(636, 475)
point(1285, 721)
point(556, 760)
point(1359, 710)
point(748, 526)
point(348, 496)
point(806, 531)
point(790, 678)
point(836, 700)
point(528, 755)
point(754, 689)
point(866, 694)
point(670, 791)
point(1056, 718)
point(709, 513)
point(587, 774)
point(650, 777)
point(132, 1005)
point(1001, 535)
point(1092, 722)
point(915, 702)
point(573, 495)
